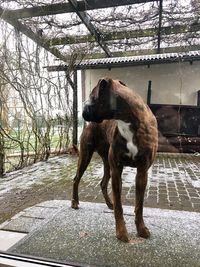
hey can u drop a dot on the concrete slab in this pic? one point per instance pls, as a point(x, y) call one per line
point(22, 224)
point(39, 212)
point(8, 239)
point(87, 236)
point(31, 218)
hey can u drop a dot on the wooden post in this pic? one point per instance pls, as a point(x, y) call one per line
point(198, 98)
point(149, 93)
point(75, 111)
point(160, 25)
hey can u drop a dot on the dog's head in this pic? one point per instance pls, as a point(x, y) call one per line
point(102, 102)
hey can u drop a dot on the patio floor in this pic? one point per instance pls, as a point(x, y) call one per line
point(86, 237)
point(174, 183)
point(45, 226)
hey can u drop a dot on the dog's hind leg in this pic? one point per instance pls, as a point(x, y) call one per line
point(104, 182)
point(141, 182)
point(116, 171)
point(85, 155)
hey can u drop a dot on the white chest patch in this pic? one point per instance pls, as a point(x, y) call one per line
point(124, 129)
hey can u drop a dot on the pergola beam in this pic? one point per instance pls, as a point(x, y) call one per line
point(95, 32)
point(108, 36)
point(149, 32)
point(61, 8)
point(176, 49)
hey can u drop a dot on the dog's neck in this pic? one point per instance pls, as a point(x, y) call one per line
point(124, 112)
point(129, 105)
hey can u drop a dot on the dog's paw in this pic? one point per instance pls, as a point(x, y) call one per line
point(122, 235)
point(74, 204)
point(110, 205)
point(144, 232)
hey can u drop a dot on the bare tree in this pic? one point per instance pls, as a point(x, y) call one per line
point(35, 105)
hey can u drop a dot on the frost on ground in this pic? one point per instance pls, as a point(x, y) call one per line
point(174, 182)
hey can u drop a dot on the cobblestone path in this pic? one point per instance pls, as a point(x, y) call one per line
point(174, 183)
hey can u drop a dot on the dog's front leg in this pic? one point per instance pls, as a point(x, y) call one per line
point(104, 182)
point(116, 171)
point(86, 151)
point(141, 182)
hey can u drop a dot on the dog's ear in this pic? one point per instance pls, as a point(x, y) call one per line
point(103, 86)
point(122, 83)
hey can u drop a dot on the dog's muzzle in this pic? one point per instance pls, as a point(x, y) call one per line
point(89, 114)
point(87, 111)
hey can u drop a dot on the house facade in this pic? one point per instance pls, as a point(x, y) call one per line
point(169, 83)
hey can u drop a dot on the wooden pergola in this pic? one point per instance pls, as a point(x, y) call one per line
point(105, 41)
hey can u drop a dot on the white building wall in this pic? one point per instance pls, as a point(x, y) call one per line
point(173, 83)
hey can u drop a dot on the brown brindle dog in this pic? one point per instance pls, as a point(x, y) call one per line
point(123, 131)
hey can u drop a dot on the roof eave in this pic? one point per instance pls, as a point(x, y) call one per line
point(109, 65)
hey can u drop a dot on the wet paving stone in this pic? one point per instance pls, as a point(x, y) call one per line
point(195, 200)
